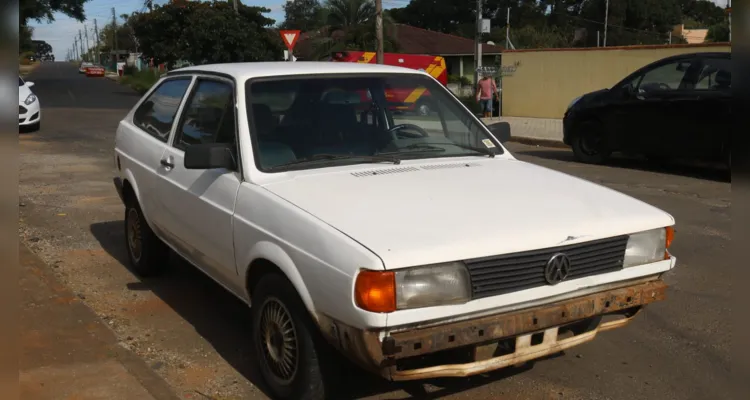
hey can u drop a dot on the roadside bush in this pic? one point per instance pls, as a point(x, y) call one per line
point(141, 81)
point(459, 79)
point(129, 70)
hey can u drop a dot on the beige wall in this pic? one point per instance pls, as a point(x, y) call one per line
point(545, 82)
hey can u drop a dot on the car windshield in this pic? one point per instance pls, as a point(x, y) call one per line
point(359, 119)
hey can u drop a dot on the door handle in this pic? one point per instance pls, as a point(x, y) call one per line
point(167, 162)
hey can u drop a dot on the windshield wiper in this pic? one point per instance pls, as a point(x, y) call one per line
point(420, 147)
point(433, 147)
point(482, 150)
point(331, 157)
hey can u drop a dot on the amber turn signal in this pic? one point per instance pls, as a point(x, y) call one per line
point(375, 291)
point(670, 237)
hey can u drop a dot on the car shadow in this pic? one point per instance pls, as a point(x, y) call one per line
point(224, 321)
point(684, 168)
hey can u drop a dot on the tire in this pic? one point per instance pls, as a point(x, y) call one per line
point(588, 144)
point(423, 109)
point(148, 255)
point(35, 127)
point(275, 303)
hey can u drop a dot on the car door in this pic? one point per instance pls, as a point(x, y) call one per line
point(197, 205)
point(713, 110)
point(150, 130)
point(649, 117)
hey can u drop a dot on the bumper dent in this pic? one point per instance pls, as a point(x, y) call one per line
point(526, 335)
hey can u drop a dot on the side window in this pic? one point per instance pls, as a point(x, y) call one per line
point(716, 74)
point(665, 78)
point(208, 116)
point(156, 114)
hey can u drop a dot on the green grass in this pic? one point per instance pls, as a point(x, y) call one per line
point(141, 81)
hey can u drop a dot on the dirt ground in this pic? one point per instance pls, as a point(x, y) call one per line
point(194, 336)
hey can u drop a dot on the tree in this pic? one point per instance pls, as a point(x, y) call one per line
point(42, 10)
point(41, 49)
point(631, 21)
point(126, 39)
point(305, 15)
point(350, 25)
point(701, 13)
point(718, 32)
point(202, 33)
point(24, 40)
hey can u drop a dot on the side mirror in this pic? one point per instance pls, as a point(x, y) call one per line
point(210, 156)
point(29, 84)
point(501, 130)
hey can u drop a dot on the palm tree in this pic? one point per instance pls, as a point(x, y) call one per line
point(350, 25)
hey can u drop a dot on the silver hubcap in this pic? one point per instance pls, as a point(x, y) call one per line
point(278, 340)
point(424, 110)
point(134, 234)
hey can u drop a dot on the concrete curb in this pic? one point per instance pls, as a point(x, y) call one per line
point(538, 142)
point(532, 141)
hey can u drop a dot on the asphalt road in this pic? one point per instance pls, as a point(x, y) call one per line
point(195, 336)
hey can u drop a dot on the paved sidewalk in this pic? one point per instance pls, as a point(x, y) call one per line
point(67, 352)
point(543, 131)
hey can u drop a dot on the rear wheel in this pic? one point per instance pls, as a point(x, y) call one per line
point(293, 358)
point(589, 144)
point(148, 255)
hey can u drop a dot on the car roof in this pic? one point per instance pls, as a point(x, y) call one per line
point(248, 70)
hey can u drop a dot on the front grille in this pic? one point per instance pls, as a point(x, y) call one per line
point(22, 110)
point(495, 275)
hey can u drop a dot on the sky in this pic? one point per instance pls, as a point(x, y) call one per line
point(61, 32)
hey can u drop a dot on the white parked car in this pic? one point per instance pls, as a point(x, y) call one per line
point(415, 247)
point(83, 66)
point(29, 110)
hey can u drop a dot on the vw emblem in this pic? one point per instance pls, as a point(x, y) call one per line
point(557, 269)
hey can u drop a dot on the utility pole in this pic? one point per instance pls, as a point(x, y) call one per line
point(86, 33)
point(478, 43)
point(75, 46)
point(379, 31)
point(114, 36)
point(606, 22)
point(507, 30)
point(96, 48)
point(236, 7)
point(80, 39)
point(729, 15)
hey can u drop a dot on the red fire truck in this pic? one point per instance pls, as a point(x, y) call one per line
point(408, 99)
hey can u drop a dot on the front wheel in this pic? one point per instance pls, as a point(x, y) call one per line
point(589, 144)
point(286, 342)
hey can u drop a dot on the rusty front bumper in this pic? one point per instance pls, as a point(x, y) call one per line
point(484, 344)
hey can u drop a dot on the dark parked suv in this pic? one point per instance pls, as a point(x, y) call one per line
point(679, 106)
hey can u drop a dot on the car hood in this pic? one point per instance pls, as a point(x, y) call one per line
point(418, 214)
point(23, 93)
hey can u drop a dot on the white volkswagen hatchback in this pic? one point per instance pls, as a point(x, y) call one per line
point(415, 246)
point(29, 110)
